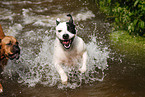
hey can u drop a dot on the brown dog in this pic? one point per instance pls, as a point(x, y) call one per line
point(9, 49)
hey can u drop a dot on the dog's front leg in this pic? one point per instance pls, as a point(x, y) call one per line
point(61, 73)
point(84, 61)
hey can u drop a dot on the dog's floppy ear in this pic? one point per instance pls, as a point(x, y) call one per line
point(70, 20)
point(0, 43)
point(57, 21)
point(1, 32)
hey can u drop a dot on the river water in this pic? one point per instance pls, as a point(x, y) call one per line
point(110, 73)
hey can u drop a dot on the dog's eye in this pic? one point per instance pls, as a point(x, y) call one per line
point(59, 30)
point(17, 43)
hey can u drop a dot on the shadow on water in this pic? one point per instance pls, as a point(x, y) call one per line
point(111, 72)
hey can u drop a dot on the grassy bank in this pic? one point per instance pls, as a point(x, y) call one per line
point(128, 43)
point(128, 23)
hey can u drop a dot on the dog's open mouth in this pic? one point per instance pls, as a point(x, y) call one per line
point(14, 56)
point(67, 42)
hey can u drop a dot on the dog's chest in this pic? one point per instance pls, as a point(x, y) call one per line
point(71, 58)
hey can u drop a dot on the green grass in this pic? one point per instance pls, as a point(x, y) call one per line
point(125, 42)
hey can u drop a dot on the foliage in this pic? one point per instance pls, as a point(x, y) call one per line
point(129, 14)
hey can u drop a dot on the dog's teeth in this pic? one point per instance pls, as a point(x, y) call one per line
point(67, 46)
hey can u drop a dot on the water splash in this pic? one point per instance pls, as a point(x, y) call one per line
point(14, 30)
point(39, 69)
point(35, 64)
point(49, 21)
point(6, 14)
point(25, 2)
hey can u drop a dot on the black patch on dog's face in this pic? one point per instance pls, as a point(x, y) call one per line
point(71, 27)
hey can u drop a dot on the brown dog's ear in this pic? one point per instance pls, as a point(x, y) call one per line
point(1, 32)
point(0, 44)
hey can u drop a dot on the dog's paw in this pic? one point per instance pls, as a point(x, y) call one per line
point(64, 80)
point(82, 70)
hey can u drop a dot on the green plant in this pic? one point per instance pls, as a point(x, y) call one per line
point(129, 14)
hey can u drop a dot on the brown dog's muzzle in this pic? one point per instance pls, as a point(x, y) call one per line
point(10, 48)
point(16, 52)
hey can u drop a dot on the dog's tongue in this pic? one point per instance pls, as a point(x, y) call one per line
point(66, 42)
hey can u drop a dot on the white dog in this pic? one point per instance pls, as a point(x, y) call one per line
point(68, 47)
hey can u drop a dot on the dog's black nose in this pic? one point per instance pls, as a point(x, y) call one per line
point(65, 36)
point(16, 49)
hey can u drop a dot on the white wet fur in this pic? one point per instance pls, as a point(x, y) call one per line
point(68, 57)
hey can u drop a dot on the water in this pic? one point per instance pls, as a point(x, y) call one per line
point(110, 72)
